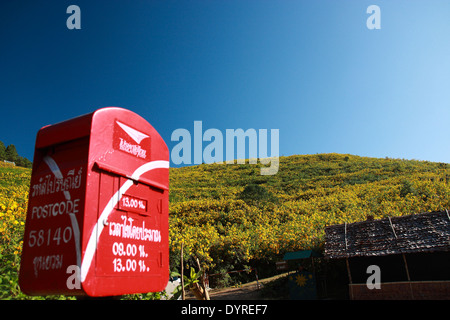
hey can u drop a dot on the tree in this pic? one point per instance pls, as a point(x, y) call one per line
point(2, 151)
point(11, 153)
point(254, 194)
point(24, 162)
point(406, 188)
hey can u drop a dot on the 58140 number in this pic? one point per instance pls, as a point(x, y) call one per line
point(47, 237)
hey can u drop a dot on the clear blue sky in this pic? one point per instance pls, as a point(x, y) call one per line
point(311, 69)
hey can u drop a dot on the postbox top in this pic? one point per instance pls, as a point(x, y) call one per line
point(119, 140)
point(64, 131)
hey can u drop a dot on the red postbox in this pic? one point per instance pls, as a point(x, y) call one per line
point(97, 220)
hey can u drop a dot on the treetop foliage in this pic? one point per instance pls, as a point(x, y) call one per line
point(10, 154)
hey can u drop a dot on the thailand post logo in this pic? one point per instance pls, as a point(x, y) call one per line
point(130, 140)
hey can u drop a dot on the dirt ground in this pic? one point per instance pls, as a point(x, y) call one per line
point(243, 293)
point(248, 291)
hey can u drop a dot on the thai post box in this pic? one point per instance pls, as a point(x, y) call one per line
point(97, 219)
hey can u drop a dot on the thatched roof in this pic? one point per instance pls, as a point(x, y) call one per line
point(425, 232)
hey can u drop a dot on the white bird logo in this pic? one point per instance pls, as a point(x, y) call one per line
point(133, 133)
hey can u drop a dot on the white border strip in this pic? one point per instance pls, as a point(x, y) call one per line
point(51, 163)
point(91, 247)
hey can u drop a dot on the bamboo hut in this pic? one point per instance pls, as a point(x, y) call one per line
point(412, 252)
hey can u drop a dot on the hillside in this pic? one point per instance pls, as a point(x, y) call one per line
point(14, 186)
point(230, 217)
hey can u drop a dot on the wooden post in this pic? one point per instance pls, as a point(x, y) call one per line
point(202, 281)
point(257, 281)
point(349, 279)
point(408, 277)
point(348, 271)
point(406, 267)
point(182, 278)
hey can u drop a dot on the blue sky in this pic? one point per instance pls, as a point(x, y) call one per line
point(311, 69)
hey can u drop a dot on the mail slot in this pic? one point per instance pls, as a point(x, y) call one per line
point(97, 219)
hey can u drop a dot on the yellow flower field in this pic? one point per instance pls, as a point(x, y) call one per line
point(226, 231)
point(232, 218)
point(14, 188)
